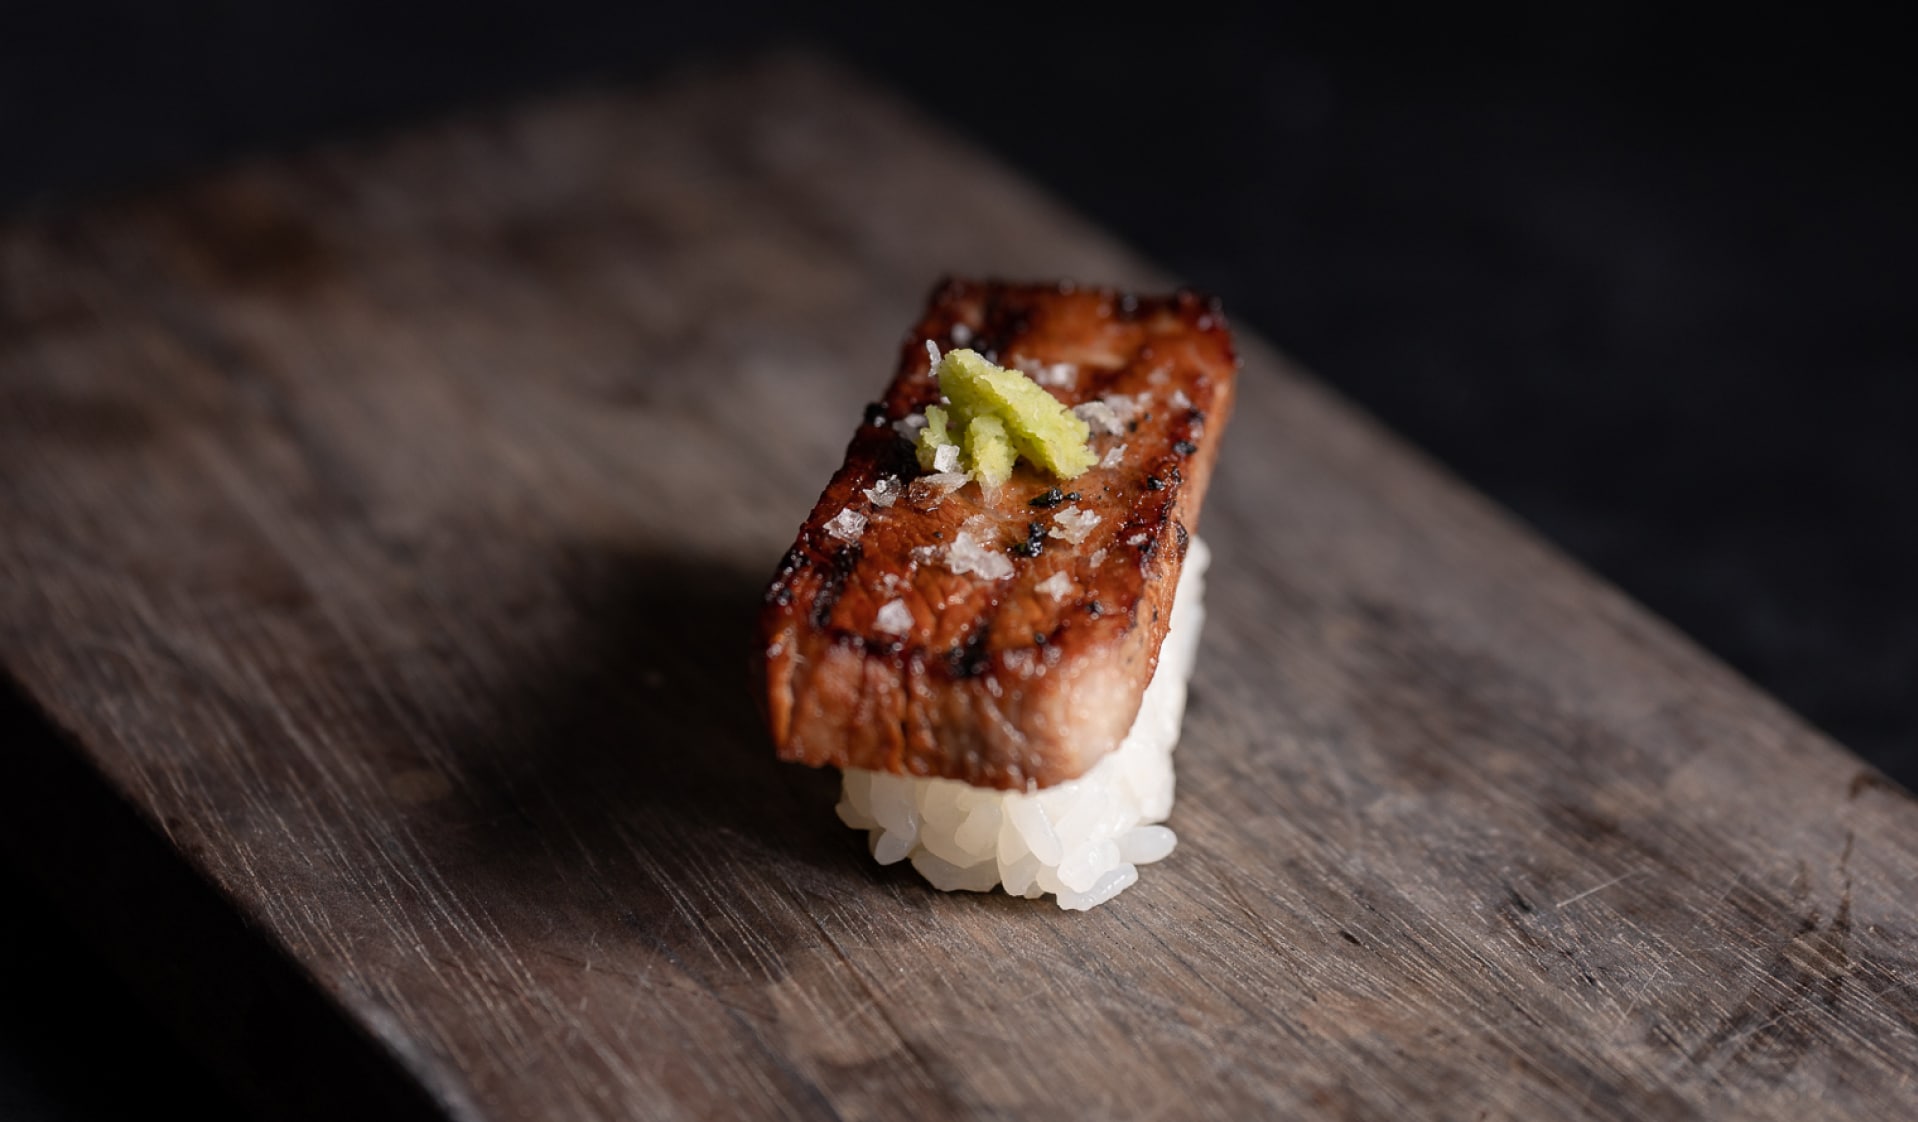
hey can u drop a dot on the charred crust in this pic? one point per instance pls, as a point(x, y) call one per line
point(938, 679)
point(1007, 317)
point(970, 659)
point(823, 604)
point(780, 591)
point(833, 585)
point(900, 460)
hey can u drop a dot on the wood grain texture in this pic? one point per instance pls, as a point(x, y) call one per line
point(385, 523)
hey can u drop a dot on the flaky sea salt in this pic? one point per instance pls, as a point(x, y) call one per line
point(847, 525)
point(928, 491)
point(894, 618)
point(961, 334)
point(1072, 525)
point(1101, 418)
point(908, 427)
point(967, 554)
point(1098, 558)
point(1058, 586)
point(1058, 375)
point(946, 459)
point(1123, 407)
point(1114, 455)
point(1180, 401)
point(885, 492)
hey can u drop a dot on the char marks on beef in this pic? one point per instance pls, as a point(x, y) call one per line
point(1019, 681)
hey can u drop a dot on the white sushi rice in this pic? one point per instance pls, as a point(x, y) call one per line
point(1083, 840)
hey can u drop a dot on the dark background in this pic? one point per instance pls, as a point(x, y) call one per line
point(1647, 278)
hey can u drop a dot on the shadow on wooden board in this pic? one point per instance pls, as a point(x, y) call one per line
point(638, 727)
point(232, 999)
point(638, 731)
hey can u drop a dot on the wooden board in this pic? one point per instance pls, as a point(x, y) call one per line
point(383, 526)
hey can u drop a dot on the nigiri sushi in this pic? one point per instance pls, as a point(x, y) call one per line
point(989, 618)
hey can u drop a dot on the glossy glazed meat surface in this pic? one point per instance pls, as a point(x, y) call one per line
point(874, 652)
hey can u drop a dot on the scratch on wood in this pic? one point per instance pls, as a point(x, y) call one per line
point(1597, 888)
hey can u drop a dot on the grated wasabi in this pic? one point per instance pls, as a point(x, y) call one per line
point(934, 437)
point(997, 416)
point(989, 452)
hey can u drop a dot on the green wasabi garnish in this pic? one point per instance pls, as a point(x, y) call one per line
point(989, 451)
point(933, 437)
point(1002, 415)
